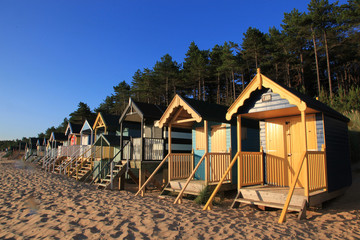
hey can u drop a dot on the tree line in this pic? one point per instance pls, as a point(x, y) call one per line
point(316, 52)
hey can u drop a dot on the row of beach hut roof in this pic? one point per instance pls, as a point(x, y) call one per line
point(271, 135)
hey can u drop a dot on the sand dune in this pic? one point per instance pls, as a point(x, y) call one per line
point(40, 205)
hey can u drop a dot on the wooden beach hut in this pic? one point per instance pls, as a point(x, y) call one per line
point(106, 124)
point(71, 149)
point(213, 145)
point(81, 150)
point(31, 149)
point(96, 156)
point(306, 151)
point(147, 142)
point(87, 133)
point(56, 141)
point(41, 147)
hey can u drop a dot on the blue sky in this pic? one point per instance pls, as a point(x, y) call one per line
point(54, 54)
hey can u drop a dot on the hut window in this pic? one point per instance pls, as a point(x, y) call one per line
point(200, 138)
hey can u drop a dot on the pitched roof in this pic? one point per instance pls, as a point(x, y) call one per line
point(33, 142)
point(317, 105)
point(110, 140)
point(144, 110)
point(182, 112)
point(57, 136)
point(301, 101)
point(76, 127)
point(208, 111)
point(110, 121)
point(150, 110)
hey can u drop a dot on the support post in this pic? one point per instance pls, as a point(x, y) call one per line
point(111, 175)
point(169, 152)
point(303, 123)
point(142, 140)
point(238, 126)
point(207, 172)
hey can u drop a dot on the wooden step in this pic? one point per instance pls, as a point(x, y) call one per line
point(178, 190)
point(268, 204)
point(102, 185)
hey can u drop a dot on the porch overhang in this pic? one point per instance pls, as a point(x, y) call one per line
point(99, 122)
point(258, 82)
point(179, 114)
point(277, 113)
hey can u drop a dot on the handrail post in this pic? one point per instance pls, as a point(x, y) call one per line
point(262, 165)
point(179, 197)
point(208, 205)
point(111, 174)
point(291, 191)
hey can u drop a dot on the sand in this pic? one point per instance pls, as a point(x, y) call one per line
point(39, 205)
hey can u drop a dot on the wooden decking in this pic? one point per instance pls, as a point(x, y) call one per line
point(194, 187)
point(275, 197)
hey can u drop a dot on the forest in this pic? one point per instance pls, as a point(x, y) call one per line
point(317, 53)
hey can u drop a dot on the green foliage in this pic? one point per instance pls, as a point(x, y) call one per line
point(203, 196)
point(347, 102)
point(10, 144)
point(81, 114)
point(7, 154)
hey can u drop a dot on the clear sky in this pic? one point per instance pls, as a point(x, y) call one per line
point(54, 54)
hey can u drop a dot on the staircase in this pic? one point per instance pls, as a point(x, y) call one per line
point(83, 170)
point(56, 163)
point(117, 171)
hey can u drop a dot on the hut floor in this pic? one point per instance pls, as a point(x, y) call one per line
point(194, 187)
point(274, 196)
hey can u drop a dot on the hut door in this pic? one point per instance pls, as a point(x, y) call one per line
point(276, 162)
point(294, 144)
point(218, 138)
point(294, 148)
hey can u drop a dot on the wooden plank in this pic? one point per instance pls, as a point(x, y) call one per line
point(302, 213)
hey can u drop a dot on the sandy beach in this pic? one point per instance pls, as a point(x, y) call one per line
point(38, 205)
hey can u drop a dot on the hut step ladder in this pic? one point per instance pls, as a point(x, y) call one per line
point(83, 172)
point(118, 171)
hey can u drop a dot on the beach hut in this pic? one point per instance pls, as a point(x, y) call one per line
point(31, 149)
point(107, 165)
point(72, 150)
point(41, 147)
point(87, 133)
point(214, 143)
point(146, 141)
point(95, 157)
point(106, 124)
point(56, 141)
point(306, 151)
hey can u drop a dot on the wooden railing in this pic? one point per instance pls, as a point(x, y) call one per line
point(142, 188)
point(217, 165)
point(315, 161)
point(106, 153)
point(251, 168)
point(275, 169)
point(317, 170)
point(180, 165)
point(153, 148)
